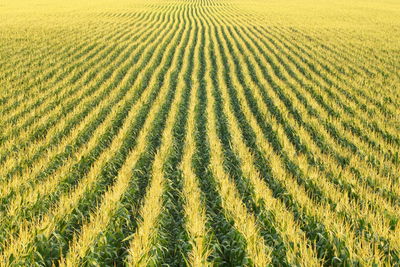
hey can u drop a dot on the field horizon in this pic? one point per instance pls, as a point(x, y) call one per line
point(200, 133)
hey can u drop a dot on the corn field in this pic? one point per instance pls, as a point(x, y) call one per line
point(200, 133)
